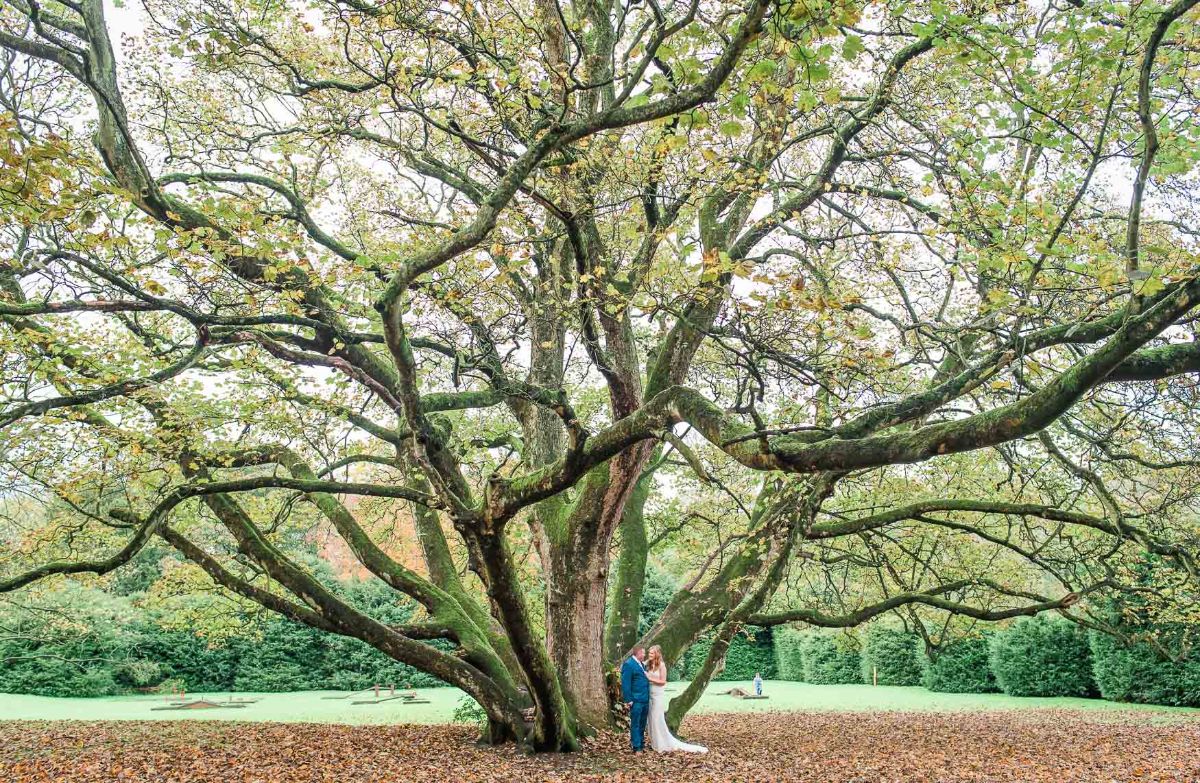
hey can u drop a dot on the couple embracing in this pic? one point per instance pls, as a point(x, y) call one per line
point(642, 679)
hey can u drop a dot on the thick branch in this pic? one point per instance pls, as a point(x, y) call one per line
point(931, 598)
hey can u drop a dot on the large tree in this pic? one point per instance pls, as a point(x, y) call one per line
point(561, 283)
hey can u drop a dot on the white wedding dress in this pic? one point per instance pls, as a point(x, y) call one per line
point(661, 738)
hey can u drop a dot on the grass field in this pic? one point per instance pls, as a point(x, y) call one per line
point(312, 706)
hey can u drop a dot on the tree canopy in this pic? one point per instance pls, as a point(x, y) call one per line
point(831, 308)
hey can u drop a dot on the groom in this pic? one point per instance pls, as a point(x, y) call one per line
point(635, 689)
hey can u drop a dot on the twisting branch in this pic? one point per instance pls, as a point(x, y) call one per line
point(229, 581)
point(1149, 132)
point(149, 527)
point(119, 389)
point(933, 598)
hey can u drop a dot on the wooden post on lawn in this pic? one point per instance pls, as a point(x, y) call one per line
point(875, 675)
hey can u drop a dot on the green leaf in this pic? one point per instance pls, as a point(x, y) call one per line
point(762, 70)
point(852, 47)
point(730, 128)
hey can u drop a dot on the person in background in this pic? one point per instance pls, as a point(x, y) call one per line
point(757, 684)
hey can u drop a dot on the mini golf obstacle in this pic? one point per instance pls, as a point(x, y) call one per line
point(742, 693)
point(377, 694)
point(198, 704)
point(177, 700)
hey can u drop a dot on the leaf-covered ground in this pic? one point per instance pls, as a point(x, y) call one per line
point(1031, 746)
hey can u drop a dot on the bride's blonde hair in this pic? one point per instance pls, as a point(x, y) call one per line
point(654, 657)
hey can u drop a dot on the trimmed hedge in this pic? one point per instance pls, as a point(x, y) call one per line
point(830, 660)
point(960, 666)
point(750, 651)
point(891, 655)
point(1165, 672)
point(1042, 657)
point(789, 654)
point(1137, 673)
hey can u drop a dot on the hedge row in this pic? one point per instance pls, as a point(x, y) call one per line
point(887, 655)
point(751, 652)
point(1036, 657)
point(1043, 656)
point(789, 658)
point(890, 657)
point(285, 657)
point(1139, 673)
point(1040, 656)
point(824, 659)
point(962, 666)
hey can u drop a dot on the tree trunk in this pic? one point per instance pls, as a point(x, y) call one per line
point(575, 628)
point(554, 720)
point(498, 733)
point(577, 555)
point(621, 632)
point(444, 574)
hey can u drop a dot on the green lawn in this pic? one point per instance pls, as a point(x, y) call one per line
point(310, 706)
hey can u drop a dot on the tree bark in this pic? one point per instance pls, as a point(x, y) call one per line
point(577, 583)
point(621, 631)
point(554, 720)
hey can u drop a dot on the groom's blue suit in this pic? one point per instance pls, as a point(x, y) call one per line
point(635, 688)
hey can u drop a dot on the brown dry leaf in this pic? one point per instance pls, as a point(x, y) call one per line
point(1033, 746)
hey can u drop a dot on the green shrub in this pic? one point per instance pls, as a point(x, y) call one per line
point(1131, 668)
point(191, 660)
point(830, 659)
point(468, 712)
point(99, 681)
point(960, 666)
point(354, 664)
point(657, 591)
point(48, 672)
point(789, 654)
point(78, 648)
point(1041, 656)
point(750, 651)
point(890, 654)
point(140, 673)
point(1137, 673)
point(287, 657)
point(100, 644)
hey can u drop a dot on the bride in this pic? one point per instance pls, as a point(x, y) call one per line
point(660, 736)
